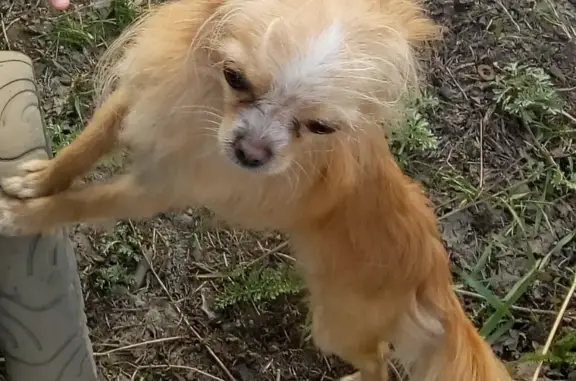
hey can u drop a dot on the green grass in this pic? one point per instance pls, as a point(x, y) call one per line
point(75, 112)
point(502, 317)
point(122, 250)
point(562, 352)
point(557, 15)
point(81, 30)
point(259, 285)
point(88, 31)
point(415, 135)
point(527, 95)
point(61, 135)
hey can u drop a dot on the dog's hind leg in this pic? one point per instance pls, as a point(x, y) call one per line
point(46, 177)
point(335, 330)
point(369, 370)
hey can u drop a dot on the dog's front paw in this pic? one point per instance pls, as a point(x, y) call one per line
point(33, 183)
point(11, 223)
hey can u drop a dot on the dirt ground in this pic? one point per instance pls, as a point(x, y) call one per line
point(493, 143)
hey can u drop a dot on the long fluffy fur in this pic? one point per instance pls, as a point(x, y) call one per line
point(364, 234)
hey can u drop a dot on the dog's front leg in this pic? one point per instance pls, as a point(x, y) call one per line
point(122, 197)
point(45, 177)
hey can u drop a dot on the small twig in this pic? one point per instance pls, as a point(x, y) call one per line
point(555, 326)
point(144, 343)
point(5, 34)
point(140, 274)
point(457, 84)
point(567, 115)
point(206, 307)
point(483, 123)
point(481, 181)
point(185, 319)
point(543, 151)
point(274, 250)
point(395, 370)
point(509, 15)
point(562, 26)
point(487, 198)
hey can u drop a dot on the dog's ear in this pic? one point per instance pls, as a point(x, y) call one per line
point(163, 42)
point(411, 19)
point(420, 28)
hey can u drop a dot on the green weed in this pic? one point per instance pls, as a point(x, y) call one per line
point(113, 276)
point(415, 136)
point(259, 285)
point(61, 135)
point(562, 352)
point(528, 94)
point(74, 114)
point(81, 30)
point(121, 248)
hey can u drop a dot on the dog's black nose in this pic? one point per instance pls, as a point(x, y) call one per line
point(252, 152)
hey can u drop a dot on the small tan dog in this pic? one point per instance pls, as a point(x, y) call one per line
point(269, 112)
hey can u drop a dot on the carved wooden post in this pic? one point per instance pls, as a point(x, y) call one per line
point(43, 333)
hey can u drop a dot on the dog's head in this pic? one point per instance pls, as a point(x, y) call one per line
point(304, 76)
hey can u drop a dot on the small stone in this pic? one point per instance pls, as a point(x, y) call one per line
point(185, 218)
point(244, 373)
point(446, 93)
point(65, 80)
point(120, 290)
point(462, 5)
point(100, 4)
point(228, 327)
point(486, 72)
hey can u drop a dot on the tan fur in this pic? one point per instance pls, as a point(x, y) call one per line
point(362, 231)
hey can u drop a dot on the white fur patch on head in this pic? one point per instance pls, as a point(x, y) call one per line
point(314, 64)
point(272, 117)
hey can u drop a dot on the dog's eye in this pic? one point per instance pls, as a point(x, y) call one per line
point(236, 79)
point(320, 127)
point(296, 127)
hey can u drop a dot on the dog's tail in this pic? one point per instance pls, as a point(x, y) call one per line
point(460, 353)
